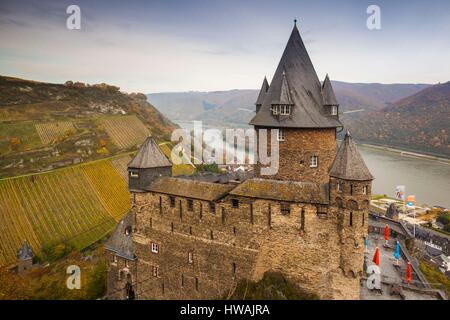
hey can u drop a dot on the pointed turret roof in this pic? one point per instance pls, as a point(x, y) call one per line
point(262, 92)
point(121, 241)
point(301, 84)
point(25, 252)
point(285, 93)
point(349, 164)
point(149, 156)
point(329, 99)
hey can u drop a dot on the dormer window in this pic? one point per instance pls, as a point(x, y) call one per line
point(334, 110)
point(274, 110)
point(281, 135)
point(285, 110)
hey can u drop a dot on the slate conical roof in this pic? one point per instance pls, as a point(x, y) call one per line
point(25, 252)
point(329, 99)
point(121, 241)
point(149, 156)
point(303, 87)
point(349, 164)
point(262, 92)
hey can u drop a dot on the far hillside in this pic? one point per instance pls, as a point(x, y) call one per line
point(44, 126)
point(235, 108)
point(418, 123)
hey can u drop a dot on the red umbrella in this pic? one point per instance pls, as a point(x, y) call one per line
point(408, 273)
point(376, 257)
point(386, 233)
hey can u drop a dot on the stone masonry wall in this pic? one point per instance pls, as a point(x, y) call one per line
point(235, 243)
point(295, 152)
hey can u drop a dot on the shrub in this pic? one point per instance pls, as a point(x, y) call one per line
point(273, 286)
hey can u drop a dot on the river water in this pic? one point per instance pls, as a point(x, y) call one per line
point(428, 180)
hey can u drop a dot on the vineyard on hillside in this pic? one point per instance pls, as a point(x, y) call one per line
point(125, 131)
point(49, 132)
point(78, 204)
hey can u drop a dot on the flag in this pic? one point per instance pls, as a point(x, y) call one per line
point(400, 192)
point(411, 201)
point(386, 233)
point(397, 250)
point(408, 273)
point(376, 257)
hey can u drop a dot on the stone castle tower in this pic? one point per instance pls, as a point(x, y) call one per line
point(24, 258)
point(185, 238)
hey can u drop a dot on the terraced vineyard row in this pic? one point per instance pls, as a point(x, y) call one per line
point(49, 132)
point(126, 131)
point(77, 204)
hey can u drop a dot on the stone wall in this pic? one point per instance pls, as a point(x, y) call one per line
point(295, 152)
point(302, 241)
point(120, 271)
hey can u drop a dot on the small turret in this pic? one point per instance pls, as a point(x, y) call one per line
point(149, 164)
point(24, 258)
point(350, 188)
point(262, 94)
point(329, 98)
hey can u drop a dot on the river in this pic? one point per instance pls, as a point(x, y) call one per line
point(428, 180)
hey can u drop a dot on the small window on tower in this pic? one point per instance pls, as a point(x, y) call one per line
point(314, 161)
point(190, 203)
point(364, 189)
point(155, 247)
point(155, 271)
point(339, 187)
point(172, 201)
point(285, 208)
point(212, 207)
point(235, 203)
point(334, 110)
point(190, 258)
point(281, 135)
point(134, 174)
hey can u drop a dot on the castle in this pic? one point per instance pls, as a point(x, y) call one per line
point(192, 239)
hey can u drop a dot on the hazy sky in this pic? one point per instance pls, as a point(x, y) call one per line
point(154, 46)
